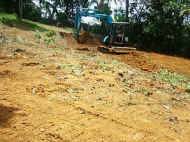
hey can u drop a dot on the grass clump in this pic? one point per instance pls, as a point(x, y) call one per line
point(38, 36)
point(49, 38)
point(173, 78)
point(12, 21)
point(4, 17)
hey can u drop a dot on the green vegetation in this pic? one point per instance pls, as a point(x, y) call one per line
point(173, 78)
point(48, 37)
point(12, 21)
point(5, 16)
point(161, 26)
point(38, 36)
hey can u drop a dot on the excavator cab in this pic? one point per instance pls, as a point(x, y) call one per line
point(116, 40)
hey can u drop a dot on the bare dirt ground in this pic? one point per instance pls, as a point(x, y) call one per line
point(154, 61)
point(66, 95)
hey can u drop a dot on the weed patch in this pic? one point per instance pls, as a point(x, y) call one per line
point(48, 38)
point(12, 21)
point(172, 78)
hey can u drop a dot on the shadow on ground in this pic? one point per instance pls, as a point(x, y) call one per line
point(6, 113)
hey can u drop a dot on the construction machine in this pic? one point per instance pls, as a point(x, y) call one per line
point(113, 37)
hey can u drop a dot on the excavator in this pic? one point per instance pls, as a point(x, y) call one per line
point(114, 39)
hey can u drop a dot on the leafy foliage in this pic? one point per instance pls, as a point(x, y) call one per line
point(31, 11)
point(49, 37)
point(12, 21)
point(159, 25)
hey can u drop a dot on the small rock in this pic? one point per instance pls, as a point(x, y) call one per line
point(58, 67)
point(175, 99)
point(65, 78)
point(93, 88)
point(187, 90)
point(173, 119)
point(99, 99)
point(166, 107)
point(111, 85)
point(19, 50)
point(42, 130)
point(100, 80)
point(148, 94)
point(125, 90)
point(146, 69)
point(33, 91)
point(124, 80)
point(131, 104)
point(82, 112)
point(121, 74)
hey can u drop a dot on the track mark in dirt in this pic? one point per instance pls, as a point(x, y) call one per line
point(31, 64)
point(112, 120)
point(2, 57)
point(78, 135)
point(55, 137)
point(97, 115)
point(3, 62)
point(51, 72)
point(138, 60)
point(6, 73)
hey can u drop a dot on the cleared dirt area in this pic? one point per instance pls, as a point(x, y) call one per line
point(62, 94)
point(154, 61)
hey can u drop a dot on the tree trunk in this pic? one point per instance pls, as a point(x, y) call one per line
point(101, 4)
point(20, 9)
point(127, 10)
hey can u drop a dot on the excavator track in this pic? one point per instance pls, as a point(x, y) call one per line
point(118, 50)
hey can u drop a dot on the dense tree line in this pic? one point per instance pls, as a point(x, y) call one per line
point(8, 6)
point(160, 25)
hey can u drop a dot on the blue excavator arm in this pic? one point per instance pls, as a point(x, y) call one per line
point(84, 12)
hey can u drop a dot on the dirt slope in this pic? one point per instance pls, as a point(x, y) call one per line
point(65, 95)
